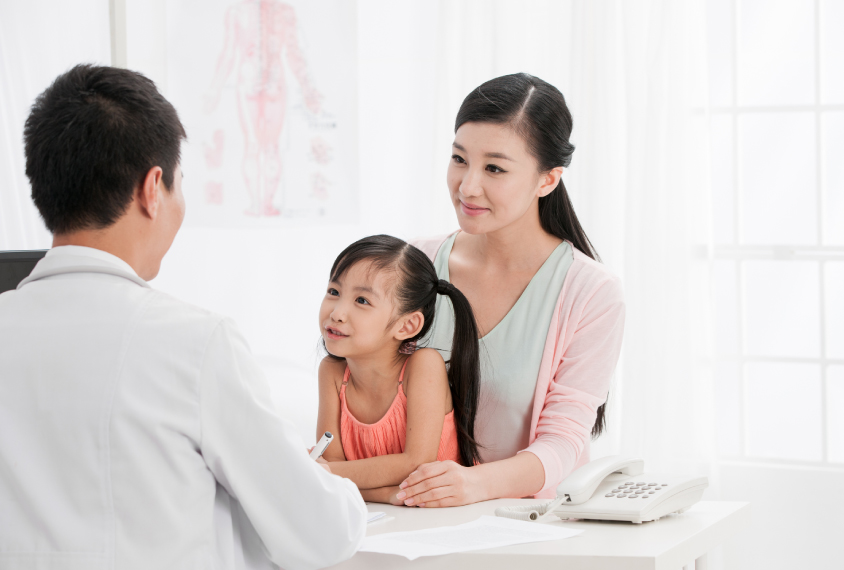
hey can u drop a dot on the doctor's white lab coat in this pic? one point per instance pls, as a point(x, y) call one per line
point(136, 431)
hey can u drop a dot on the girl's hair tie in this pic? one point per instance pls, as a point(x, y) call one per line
point(444, 287)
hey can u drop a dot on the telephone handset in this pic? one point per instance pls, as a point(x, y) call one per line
point(615, 488)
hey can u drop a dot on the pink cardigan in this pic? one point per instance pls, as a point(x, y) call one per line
point(581, 351)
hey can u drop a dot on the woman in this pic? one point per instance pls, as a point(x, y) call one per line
point(551, 317)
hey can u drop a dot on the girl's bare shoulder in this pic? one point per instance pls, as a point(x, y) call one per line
point(427, 364)
point(331, 371)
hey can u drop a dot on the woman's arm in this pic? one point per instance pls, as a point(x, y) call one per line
point(328, 418)
point(426, 385)
point(581, 380)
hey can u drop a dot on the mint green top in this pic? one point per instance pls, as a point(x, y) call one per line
point(510, 353)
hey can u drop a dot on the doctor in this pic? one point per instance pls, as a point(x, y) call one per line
point(137, 431)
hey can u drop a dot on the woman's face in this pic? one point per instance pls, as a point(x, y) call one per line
point(492, 178)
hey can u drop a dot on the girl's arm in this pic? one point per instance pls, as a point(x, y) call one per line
point(382, 495)
point(426, 388)
point(328, 419)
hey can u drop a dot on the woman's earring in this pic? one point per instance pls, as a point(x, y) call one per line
point(407, 347)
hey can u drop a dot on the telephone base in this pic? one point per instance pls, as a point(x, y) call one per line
point(675, 503)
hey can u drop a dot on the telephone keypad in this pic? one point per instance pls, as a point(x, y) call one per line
point(633, 490)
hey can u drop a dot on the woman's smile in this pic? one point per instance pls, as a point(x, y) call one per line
point(472, 209)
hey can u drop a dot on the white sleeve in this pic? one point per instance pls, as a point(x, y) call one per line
point(306, 517)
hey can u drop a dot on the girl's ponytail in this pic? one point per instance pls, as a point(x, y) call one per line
point(464, 372)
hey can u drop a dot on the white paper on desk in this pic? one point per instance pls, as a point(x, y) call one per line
point(486, 532)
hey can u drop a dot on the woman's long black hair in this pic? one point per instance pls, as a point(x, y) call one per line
point(416, 289)
point(537, 111)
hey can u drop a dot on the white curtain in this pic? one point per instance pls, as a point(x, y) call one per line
point(632, 72)
point(39, 39)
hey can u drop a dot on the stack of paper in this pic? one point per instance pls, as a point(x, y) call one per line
point(486, 532)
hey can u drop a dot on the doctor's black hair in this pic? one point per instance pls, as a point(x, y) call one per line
point(91, 138)
point(416, 289)
point(537, 111)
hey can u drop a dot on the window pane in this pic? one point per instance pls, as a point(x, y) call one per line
point(783, 404)
point(719, 40)
point(834, 310)
point(722, 155)
point(832, 177)
point(726, 307)
point(782, 308)
point(835, 414)
point(776, 55)
point(832, 51)
point(778, 178)
point(728, 413)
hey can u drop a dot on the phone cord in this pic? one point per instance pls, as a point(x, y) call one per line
point(529, 513)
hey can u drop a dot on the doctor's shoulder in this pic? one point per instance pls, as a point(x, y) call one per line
point(171, 312)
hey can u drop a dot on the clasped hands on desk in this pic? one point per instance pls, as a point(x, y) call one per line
point(671, 543)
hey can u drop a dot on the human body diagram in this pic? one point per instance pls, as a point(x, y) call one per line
point(259, 36)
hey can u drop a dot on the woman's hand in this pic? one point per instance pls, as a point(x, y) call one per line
point(448, 484)
point(441, 484)
point(394, 500)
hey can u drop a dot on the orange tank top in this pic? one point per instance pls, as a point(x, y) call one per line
point(388, 434)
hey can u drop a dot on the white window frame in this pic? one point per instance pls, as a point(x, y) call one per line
point(740, 253)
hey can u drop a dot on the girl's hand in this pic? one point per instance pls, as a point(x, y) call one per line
point(441, 484)
point(324, 464)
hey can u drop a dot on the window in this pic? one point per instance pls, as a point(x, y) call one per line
point(777, 136)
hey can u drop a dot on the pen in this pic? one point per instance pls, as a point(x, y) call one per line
point(320, 447)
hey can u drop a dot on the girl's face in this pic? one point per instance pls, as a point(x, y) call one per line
point(492, 178)
point(357, 313)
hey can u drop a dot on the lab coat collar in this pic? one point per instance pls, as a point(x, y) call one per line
point(77, 259)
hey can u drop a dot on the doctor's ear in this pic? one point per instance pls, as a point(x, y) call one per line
point(409, 325)
point(147, 194)
point(549, 180)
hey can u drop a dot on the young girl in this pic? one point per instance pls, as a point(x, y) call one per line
point(390, 406)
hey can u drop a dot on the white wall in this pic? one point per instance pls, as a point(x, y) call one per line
point(227, 270)
point(29, 62)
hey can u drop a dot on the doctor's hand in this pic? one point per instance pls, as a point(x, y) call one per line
point(441, 484)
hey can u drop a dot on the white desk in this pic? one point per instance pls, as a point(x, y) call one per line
point(670, 543)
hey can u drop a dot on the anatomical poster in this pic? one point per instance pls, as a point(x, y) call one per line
point(267, 91)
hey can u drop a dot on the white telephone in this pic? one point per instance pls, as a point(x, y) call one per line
point(615, 489)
